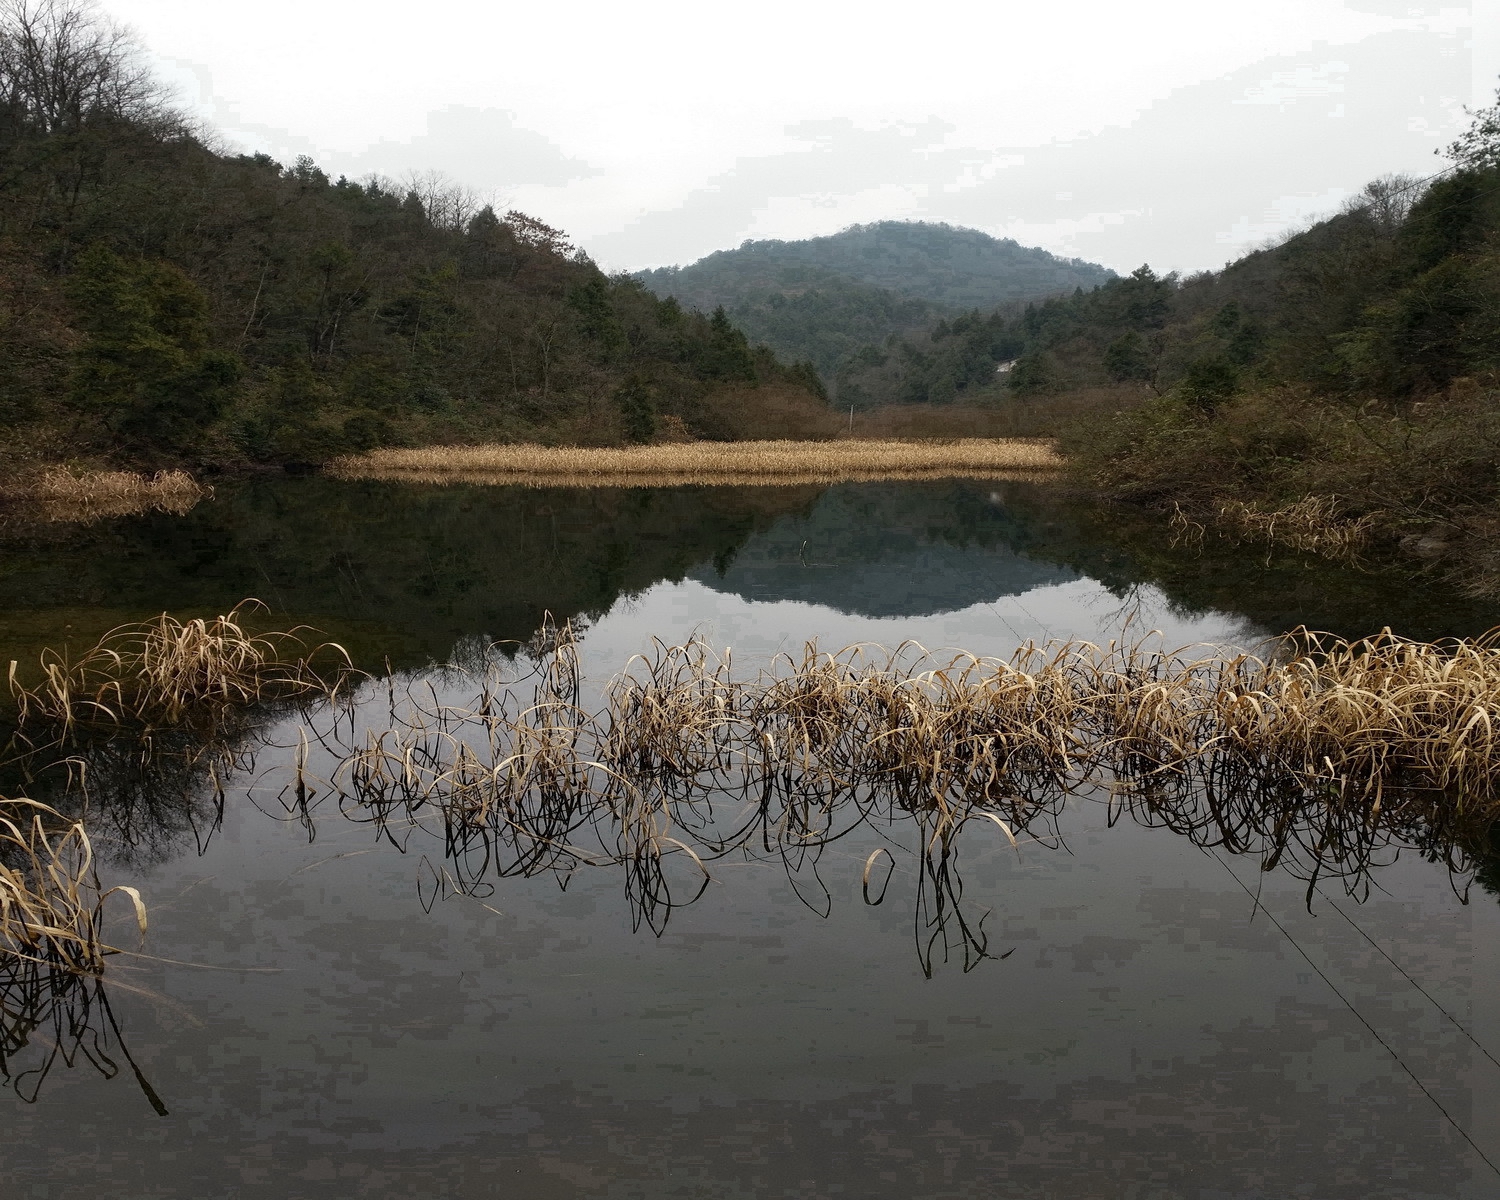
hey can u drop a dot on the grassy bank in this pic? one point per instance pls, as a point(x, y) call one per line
point(1419, 478)
point(767, 462)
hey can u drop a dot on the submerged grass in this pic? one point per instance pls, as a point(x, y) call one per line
point(706, 462)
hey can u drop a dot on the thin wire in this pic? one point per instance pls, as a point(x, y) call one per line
point(1409, 979)
point(1436, 1103)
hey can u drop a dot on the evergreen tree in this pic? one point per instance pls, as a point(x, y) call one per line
point(146, 365)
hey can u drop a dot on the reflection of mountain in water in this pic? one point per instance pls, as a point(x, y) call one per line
point(404, 571)
point(890, 550)
point(408, 572)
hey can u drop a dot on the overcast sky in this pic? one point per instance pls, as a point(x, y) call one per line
point(1175, 132)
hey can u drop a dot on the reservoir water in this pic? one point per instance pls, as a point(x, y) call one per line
point(1121, 1012)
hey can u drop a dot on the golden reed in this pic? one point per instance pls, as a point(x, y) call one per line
point(705, 462)
point(60, 494)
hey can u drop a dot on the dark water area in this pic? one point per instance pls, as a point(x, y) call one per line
point(1107, 1009)
point(405, 572)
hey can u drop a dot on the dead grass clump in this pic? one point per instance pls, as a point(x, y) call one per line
point(1314, 523)
point(1316, 756)
point(54, 1006)
point(1320, 758)
point(155, 673)
point(65, 495)
point(779, 462)
point(51, 902)
point(1383, 716)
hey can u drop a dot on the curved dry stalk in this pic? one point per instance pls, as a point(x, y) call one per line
point(51, 902)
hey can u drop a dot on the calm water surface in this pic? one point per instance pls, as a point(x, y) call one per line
point(1138, 1029)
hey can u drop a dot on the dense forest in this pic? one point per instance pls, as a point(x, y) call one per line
point(835, 301)
point(164, 300)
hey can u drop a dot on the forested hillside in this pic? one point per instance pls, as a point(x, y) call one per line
point(1391, 297)
point(163, 300)
point(830, 299)
point(1090, 339)
point(1395, 297)
point(1339, 390)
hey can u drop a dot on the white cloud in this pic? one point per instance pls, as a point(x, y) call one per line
point(657, 131)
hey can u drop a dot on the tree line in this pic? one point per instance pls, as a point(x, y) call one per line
point(164, 299)
point(1394, 296)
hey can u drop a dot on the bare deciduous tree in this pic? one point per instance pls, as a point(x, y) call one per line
point(448, 205)
point(1388, 200)
point(62, 63)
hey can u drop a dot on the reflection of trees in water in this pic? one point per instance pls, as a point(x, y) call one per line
point(147, 794)
point(391, 569)
point(1272, 588)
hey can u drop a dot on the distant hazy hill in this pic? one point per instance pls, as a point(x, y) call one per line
point(823, 298)
point(953, 268)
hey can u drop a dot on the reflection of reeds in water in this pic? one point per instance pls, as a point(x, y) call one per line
point(1324, 758)
point(62, 495)
point(706, 462)
point(51, 905)
point(1319, 758)
point(52, 951)
point(1314, 523)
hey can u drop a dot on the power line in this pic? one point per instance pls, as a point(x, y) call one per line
point(1436, 1103)
point(1409, 979)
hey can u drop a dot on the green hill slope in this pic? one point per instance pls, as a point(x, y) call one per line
point(827, 299)
point(161, 301)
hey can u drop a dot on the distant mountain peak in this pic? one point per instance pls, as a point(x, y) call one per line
point(823, 298)
point(950, 266)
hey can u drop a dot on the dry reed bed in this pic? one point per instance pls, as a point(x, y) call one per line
point(705, 462)
point(60, 494)
point(1320, 758)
